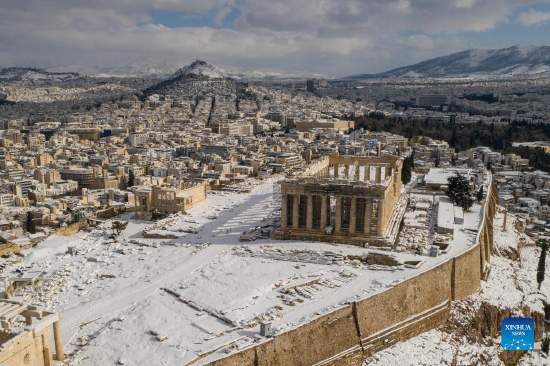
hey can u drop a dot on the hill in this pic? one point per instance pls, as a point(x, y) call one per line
point(197, 79)
point(512, 61)
point(30, 74)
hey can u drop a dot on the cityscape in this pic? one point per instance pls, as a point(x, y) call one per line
point(226, 203)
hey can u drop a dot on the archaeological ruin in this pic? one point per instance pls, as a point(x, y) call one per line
point(169, 199)
point(348, 199)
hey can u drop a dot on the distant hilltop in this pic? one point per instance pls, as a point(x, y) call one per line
point(512, 61)
point(197, 79)
point(199, 68)
point(30, 74)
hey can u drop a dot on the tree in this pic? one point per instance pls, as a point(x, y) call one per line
point(131, 178)
point(545, 345)
point(157, 215)
point(30, 224)
point(542, 260)
point(480, 194)
point(459, 191)
point(406, 174)
point(118, 226)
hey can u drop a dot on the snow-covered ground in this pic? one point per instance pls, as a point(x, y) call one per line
point(202, 288)
point(511, 285)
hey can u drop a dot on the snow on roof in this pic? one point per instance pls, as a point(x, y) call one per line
point(445, 214)
point(440, 175)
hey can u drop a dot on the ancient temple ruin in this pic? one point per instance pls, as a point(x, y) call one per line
point(348, 199)
point(26, 330)
point(169, 199)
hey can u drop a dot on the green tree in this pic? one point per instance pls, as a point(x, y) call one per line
point(30, 224)
point(131, 178)
point(406, 172)
point(545, 344)
point(480, 194)
point(542, 260)
point(118, 226)
point(156, 215)
point(459, 191)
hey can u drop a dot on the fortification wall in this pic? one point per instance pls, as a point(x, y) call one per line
point(358, 330)
point(466, 273)
point(296, 348)
point(428, 292)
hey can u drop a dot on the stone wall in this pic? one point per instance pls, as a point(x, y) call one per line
point(466, 273)
point(198, 193)
point(32, 348)
point(358, 330)
point(72, 228)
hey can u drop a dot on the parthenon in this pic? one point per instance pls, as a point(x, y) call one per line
point(341, 198)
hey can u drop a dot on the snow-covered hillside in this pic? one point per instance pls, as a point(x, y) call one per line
point(28, 74)
point(516, 60)
point(199, 68)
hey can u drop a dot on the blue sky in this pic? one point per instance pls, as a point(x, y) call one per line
point(181, 19)
point(329, 37)
point(510, 33)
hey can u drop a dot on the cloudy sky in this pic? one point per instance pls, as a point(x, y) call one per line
point(332, 37)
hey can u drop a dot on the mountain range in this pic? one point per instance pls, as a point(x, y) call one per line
point(513, 61)
point(151, 66)
point(516, 60)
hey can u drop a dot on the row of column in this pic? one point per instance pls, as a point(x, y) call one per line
point(376, 175)
point(348, 215)
point(166, 198)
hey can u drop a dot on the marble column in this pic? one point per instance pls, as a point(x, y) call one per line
point(309, 215)
point(380, 227)
point(352, 215)
point(324, 207)
point(378, 175)
point(368, 216)
point(295, 211)
point(59, 354)
point(284, 212)
point(338, 219)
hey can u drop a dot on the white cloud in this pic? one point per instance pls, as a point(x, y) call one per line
point(335, 37)
point(532, 17)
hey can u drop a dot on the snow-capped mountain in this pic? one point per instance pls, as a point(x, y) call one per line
point(516, 60)
point(29, 74)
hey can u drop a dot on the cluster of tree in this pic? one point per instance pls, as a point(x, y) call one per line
point(459, 191)
point(157, 215)
point(406, 171)
point(538, 158)
point(460, 136)
point(544, 245)
point(545, 345)
point(488, 98)
point(31, 228)
point(131, 179)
